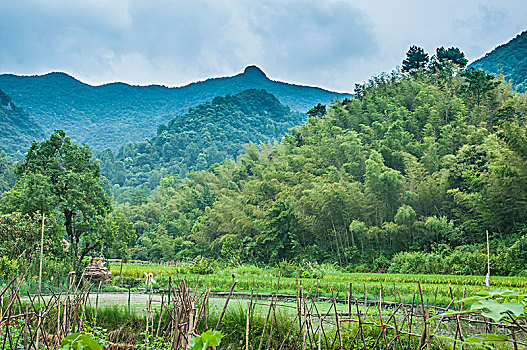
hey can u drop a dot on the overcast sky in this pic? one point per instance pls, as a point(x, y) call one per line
point(329, 43)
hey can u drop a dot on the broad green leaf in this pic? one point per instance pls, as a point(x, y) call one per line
point(79, 341)
point(497, 311)
point(210, 338)
point(486, 338)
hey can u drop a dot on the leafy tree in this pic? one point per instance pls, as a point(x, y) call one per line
point(477, 84)
point(453, 55)
point(416, 58)
point(20, 240)
point(318, 111)
point(58, 177)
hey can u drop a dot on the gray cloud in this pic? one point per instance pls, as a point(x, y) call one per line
point(174, 42)
point(332, 43)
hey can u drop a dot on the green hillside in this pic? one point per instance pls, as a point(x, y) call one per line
point(17, 128)
point(114, 114)
point(414, 169)
point(509, 59)
point(207, 134)
point(7, 173)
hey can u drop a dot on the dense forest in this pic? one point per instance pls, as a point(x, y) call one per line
point(113, 114)
point(17, 128)
point(414, 170)
point(509, 59)
point(207, 134)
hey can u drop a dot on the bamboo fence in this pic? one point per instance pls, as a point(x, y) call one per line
point(34, 321)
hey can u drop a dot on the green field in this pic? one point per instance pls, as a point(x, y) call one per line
point(436, 289)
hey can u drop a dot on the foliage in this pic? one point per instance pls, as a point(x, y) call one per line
point(7, 173)
point(202, 266)
point(79, 341)
point(113, 114)
point(416, 58)
point(461, 261)
point(452, 54)
point(20, 243)
point(410, 165)
point(60, 179)
point(210, 338)
point(317, 111)
point(500, 305)
point(478, 85)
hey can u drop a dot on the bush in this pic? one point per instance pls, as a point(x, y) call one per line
point(289, 269)
point(306, 269)
point(381, 264)
point(201, 266)
point(464, 260)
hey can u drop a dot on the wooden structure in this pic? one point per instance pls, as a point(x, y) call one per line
point(96, 271)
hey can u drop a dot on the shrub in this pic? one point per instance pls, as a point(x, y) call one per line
point(202, 266)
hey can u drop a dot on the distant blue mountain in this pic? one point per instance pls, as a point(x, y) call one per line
point(113, 114)
point(17, 128)
point(509, 59)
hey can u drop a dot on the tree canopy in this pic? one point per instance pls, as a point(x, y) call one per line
point(416, 58)
point(60, 178)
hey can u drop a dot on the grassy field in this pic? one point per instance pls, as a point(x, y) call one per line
point(436, 288)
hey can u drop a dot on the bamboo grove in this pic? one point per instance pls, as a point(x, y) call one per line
point(414, 169)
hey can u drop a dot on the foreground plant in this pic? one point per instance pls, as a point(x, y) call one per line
point(500, 305)
point(79, 341)
point(210, 338)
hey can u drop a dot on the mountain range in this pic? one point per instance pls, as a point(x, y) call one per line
point(113, 114)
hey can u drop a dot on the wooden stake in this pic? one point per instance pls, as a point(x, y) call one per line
point(40, 280)
point(247, 325)
point(121, 274)
point(487, 279)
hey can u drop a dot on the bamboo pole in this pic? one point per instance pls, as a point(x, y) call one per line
point(247, 323)
point(40, 280)
point(487, 278)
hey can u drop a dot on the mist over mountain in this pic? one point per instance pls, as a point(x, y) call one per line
point(113, 114)
point(509, 59)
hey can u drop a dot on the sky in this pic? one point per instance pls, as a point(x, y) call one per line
point(328, 43)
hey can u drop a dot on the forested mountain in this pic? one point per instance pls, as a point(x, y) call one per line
point(114, 114)
point(425, 161)
point(17, 128)
point(509, 59)
point(208, 133)
point(7, 173)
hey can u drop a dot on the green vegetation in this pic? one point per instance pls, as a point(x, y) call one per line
point(17, 129)
point(114, 114)
point(7, 174)
point(435, 286)
point(509, 59)
point(423, 163)
point(60, 180)
point(207, 134)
